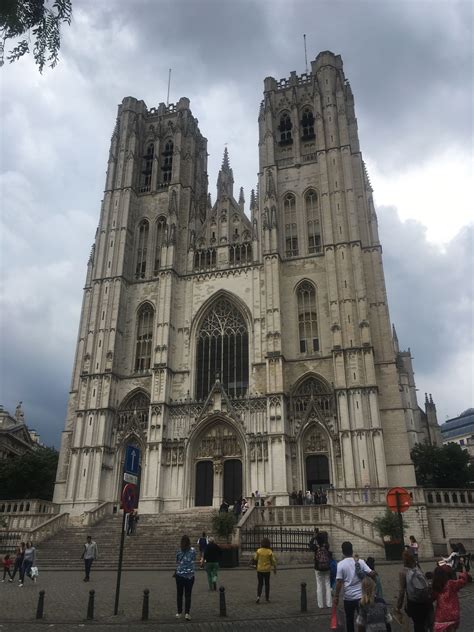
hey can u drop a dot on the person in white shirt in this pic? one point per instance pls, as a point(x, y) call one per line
point(89, 554)
point(350, 573)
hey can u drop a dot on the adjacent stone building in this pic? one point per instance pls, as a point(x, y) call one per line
point(16, 439)
point(240, 352)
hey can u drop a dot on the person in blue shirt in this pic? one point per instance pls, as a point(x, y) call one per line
point(184, 575)
point(332, 570)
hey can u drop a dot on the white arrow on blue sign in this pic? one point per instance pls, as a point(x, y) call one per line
point(132, 460)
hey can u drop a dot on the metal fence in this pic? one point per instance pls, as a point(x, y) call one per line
point(9, 540)
point(281, 539)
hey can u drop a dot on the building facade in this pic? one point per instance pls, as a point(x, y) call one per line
point(460, 430)
point(239, 352)
point(16, 439)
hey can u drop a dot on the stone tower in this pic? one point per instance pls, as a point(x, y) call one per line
point(239, 352)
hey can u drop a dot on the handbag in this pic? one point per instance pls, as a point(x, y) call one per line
point(34, 571)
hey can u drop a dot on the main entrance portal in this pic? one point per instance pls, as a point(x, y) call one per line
point(317, 472)
point(204, 483)
point(232, 480)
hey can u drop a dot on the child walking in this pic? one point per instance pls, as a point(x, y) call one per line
point(373, 612)
point(7, 562)
point(445, 595)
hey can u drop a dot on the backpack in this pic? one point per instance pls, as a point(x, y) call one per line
point(417, 586)
point(321, 559)
point(359, 572)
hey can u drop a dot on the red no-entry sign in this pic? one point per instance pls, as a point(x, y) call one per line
point(129, 497)
point(398, 499)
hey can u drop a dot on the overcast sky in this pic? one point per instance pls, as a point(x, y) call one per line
point(411, 70)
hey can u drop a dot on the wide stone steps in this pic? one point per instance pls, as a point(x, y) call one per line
point(154, 545)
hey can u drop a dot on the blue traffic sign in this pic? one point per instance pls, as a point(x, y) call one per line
point(132, 460)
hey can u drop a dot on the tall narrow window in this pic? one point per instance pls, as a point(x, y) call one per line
point(144, 338)
point(307, 318)
point(160, 238)
point(167, 162)
point(142, 244)
point(313, 222)
point(285, 129)
point(223, 351)
point(147, 166)
point(291, 228)
point(307, 124)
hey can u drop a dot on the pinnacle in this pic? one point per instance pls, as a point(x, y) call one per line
point(225, 161)
point(241, 196)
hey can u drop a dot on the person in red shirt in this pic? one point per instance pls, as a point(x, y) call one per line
point(445, 594)
point(7, 562)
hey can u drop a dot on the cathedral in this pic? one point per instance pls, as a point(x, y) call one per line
point(239, 350)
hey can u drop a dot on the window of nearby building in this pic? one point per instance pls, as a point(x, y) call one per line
point(144, 338)
point(160, 238)
point(147, 166)
point(307, 318)
point(291, 227)
point(313, 222)
point(167, 162)
point(141, 250)
point(285, 129)
point(222, 351)
point(461, 441)
point(307, 124)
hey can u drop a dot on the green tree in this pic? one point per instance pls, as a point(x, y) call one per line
point(41, 25)
point(389, 525)
point(29, 476)
point(445, 466)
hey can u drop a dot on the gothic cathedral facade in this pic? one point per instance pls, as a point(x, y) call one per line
point(239, 352)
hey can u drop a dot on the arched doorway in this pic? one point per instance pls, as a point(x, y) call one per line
point(316, 454)
point(317, 471)
point(204, 484)
point(232, 480)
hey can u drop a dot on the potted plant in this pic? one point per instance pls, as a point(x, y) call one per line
point(391, 532)
point(223, 524)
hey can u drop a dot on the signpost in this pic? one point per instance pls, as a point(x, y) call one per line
point(129, 501)
point(399, 500)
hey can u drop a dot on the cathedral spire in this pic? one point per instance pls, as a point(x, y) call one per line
point(395, 339)
point(225, 161)
point(225, 180)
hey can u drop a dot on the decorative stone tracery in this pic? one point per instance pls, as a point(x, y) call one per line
point(220, 441)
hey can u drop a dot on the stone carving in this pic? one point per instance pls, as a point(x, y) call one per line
point(220, 441)
point(315, 442)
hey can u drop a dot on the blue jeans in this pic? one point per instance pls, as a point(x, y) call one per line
point(185, 585)
point(87, 566)
point(25, 569)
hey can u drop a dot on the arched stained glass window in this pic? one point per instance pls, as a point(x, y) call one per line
point(147, 166)
point(307, 318)
point(285, 129)
point(144, 338)
point(160, 239)
point(313, 222)
point(307, 124)
point(291, 227)
point(223, 351)
point(142, 245)
point(167, 162)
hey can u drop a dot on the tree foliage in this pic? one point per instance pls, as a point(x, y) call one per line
point(388, 525)
point(223, 523)
point(40, 24)
point(445, 466)
point(29, 476)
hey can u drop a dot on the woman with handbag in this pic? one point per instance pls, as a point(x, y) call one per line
point(265, 562)
point(29, 560)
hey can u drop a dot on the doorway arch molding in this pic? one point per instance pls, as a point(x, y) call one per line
point(316, 439)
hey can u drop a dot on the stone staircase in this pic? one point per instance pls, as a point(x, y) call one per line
point(153, 547)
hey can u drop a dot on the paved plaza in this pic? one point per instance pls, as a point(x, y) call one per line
point(66, 597)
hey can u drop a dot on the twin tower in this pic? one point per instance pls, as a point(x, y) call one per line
point(240, 351)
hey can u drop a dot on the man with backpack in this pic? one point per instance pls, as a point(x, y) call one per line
point(414, 585)
point(322, 568)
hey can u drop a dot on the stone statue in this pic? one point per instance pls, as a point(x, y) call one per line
point(19, 414)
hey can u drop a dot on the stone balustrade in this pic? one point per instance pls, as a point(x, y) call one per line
point(47, 529)
point(447, 497)
point(368, 495)
point(26, 514)
point(93, 516)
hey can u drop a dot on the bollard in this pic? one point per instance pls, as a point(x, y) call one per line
point(90, 605)
point(40, 608)
point(146, 596)
point(304, 600)
point(222, 606)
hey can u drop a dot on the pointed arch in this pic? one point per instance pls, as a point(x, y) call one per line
point(142, 235)
point(159, 242)
point(307, 124)
point(291, 225)
point(147, 167)
point(313, 221)
point(285, 128)
point(144, 337)
point(307, 318)
point(311, 394)
point(167, 161)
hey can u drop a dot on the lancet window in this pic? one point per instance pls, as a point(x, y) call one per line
point(144, 338)
point(205, 259)
point(313, 222)
point(160, 239)
point(307, 124)
point(222, 351)
point(134, 409)
point(291, 227)
point(311, 390)
point(141, 250)
point(147, 166)
point(307, 318)
point(240, 254)
point(285, 129)
point(167, 162)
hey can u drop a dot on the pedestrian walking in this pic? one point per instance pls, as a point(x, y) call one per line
point(89, 554)
point(378, 584)
point(202, 544)
point(413, 548)
point(237, 509)
point(414, 592)
point(132, 520)
point(211, 557)
point(350, 573)
point(265, 562)
point(322, 572)
point(29, 560)
point(7, 562)
point(184, 576)
point(445, 595)
point(19, 555)
point(373, 612)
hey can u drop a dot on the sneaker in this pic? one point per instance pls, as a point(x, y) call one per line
point(2, 581)
point(20, 585)
point(10, 580)
point(257, 600)
point(178, 615)
point(187, 616)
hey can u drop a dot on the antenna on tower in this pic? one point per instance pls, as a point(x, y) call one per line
point(169, 83)
point(305, 54)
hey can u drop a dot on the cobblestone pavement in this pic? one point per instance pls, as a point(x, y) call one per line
point(66, 597)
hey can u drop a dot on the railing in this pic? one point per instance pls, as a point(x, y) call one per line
point(93, 516)
point(449, 497)
point(9, 540)
point(251, 517)
point(47, 529)
point(28, 506)
point(281, 539)
point(368, 495)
